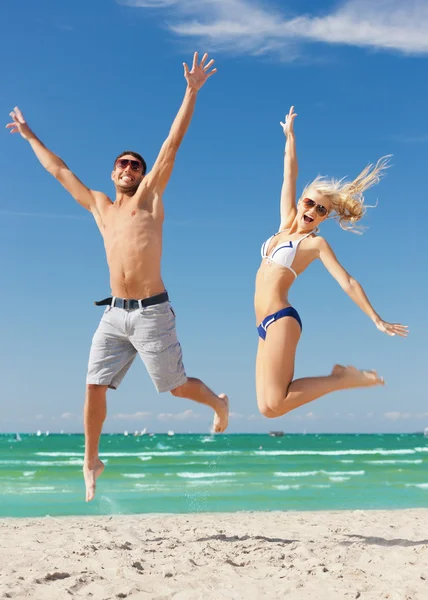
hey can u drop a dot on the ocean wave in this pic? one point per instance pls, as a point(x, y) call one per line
point(332, 452)
point(134, 475)
point(203, 475)
point(286, 487)
point(319, 486)
point(320, 472)
point(296, 474)
point(40, 489)
point(418, 461)
point(43, 463)
point(422, 486)
point(339, 479)
point(217, 452)
point(59, 454)
point(201, 482)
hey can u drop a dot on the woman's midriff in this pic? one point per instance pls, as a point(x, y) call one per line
point(272, 285)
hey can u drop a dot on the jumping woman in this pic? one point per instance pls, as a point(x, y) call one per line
point(287, 254)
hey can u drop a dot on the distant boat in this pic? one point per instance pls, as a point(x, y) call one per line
point(426, 432)
point(276, 433)
point(125, 433)
point(39, 433)
point(143, 431)
point(170, 433)
point(18, 437)
point(47, 432)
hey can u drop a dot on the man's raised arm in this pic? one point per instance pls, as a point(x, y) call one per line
point(196, 77)
point(51, 162)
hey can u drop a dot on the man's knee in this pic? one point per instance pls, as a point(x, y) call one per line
point(94, 390)
point(180, 391)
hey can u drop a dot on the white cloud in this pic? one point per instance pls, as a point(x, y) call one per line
point(132, 417)
point(67, 415)
point(247, 26)
point(397, 416)
point(411, 139)
point(184, 416)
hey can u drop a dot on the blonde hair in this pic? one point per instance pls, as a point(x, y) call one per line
point(347, 198)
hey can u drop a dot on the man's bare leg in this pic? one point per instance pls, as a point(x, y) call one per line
point(95, 412)
point(195, 389)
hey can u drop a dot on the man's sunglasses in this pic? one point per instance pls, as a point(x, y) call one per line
point(320, 209)
point(122, 163)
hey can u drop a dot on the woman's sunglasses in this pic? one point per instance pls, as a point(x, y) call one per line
point(122, 163)
point(320, 209)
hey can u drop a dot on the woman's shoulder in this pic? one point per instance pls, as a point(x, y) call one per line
point(318, 242)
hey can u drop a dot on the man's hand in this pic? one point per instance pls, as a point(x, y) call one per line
point(19, 125)
point(199, 73)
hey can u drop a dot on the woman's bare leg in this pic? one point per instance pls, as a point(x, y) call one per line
point(280, 394)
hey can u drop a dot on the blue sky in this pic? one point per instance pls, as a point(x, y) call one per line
point(95, 78)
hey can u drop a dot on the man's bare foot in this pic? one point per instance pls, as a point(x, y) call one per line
point(353, 377)
point(221, 418)
point(91, 475)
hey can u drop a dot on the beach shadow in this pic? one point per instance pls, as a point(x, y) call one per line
point(379, 541)
point(236, 538)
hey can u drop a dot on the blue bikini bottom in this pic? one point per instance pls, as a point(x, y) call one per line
point(284, 312)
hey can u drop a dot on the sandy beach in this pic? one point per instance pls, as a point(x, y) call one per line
point(297, 555)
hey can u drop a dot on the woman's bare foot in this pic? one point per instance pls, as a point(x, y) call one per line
point(91, 474)
point(221, 417)
point(353, 377)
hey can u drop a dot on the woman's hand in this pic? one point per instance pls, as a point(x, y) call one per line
point(392, 328)
point(288, 126)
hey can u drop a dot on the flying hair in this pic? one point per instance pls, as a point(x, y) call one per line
point(347, 197)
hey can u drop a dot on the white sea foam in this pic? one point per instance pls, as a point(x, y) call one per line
point(134, 475)
point(203, 475)
point(339, 479)
point(296, 473)
point(380, 451)
point(286, 487)
point(319, 486)
point(59, 454)
point(422, 486)
point(201, 482)
point(43, 463)
point(394, 462)
point(40, 489)
point(320, 472)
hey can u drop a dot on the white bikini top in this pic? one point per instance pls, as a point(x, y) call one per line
point(284, 253)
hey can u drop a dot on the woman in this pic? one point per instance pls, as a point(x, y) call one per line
point(287, 254)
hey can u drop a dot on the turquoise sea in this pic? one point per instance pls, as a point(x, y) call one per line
point(41, 475)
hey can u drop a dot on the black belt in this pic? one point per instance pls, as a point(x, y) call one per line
point(130, 304)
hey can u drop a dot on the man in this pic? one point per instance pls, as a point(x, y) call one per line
point(138, 317)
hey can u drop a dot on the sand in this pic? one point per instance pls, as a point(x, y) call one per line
point(293, 555)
